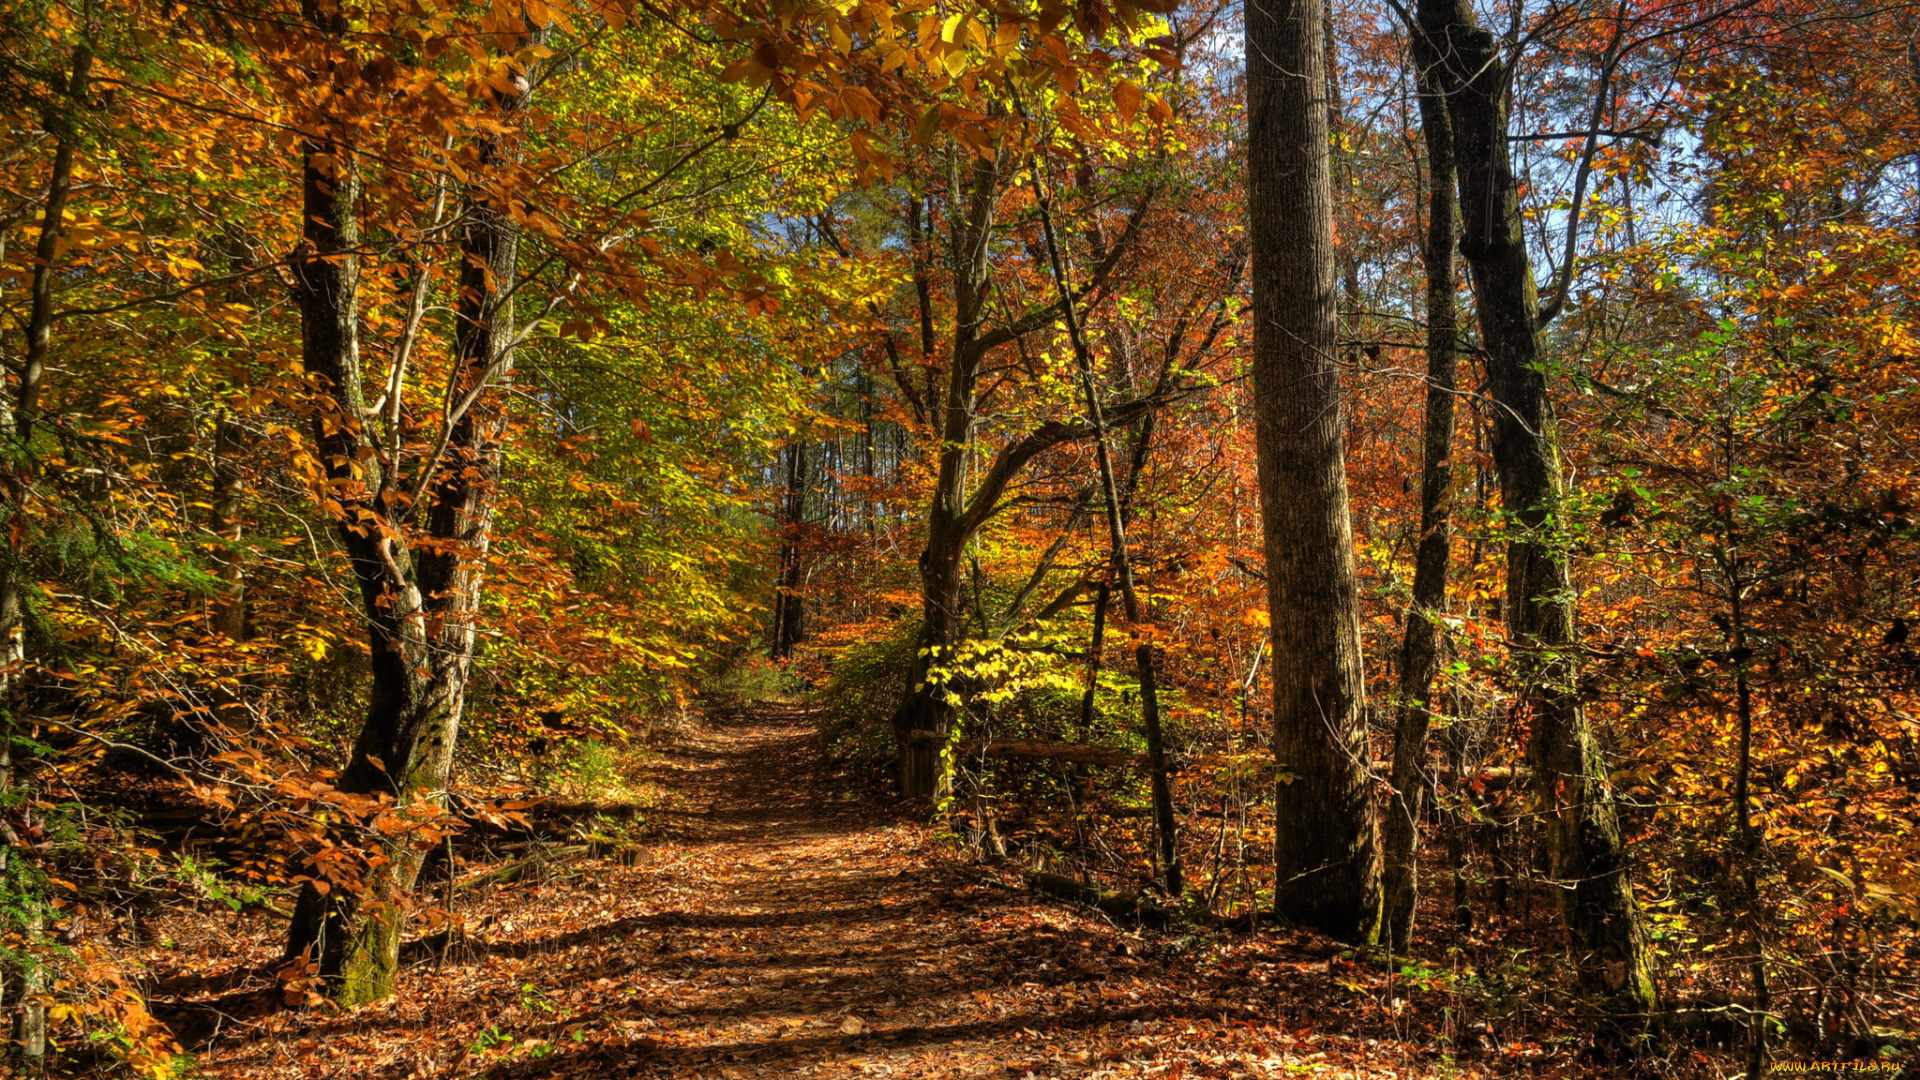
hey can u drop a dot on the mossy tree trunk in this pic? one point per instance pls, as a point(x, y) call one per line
point(420, 598)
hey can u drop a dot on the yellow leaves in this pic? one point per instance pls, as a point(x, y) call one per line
point(927, 125)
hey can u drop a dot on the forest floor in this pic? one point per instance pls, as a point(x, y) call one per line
point(774, 923)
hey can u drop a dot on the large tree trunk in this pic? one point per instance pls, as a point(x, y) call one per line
point(1420, 649)
point(927, 708)
point(1588, 860)
point(1326, 859)
point(420, 608)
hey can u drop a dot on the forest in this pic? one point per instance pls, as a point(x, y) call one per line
point(1003, 538)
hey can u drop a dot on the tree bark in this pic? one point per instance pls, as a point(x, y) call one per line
point(1166, 825)
point(1326, 856)
point(1420, 648)
point(229, 608)
point(1095, 647)
point(1588, 858)
point(926, 707)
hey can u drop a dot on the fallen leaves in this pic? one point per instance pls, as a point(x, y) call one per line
point(781, 933)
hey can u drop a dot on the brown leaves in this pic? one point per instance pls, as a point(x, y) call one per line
point(783, 931)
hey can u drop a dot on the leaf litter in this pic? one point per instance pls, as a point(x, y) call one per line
point(775, 928)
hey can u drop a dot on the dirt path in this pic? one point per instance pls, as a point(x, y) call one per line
point(778, 926)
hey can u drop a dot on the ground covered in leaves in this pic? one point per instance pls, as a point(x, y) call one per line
point(774, 924)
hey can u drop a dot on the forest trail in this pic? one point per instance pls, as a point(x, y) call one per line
point(778, 925)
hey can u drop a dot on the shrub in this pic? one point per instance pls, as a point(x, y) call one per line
point(868, 679)
point(753, 679)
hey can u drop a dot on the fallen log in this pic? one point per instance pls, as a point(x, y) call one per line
point(1118, 905)
point(518, 868)
point(1491, 778)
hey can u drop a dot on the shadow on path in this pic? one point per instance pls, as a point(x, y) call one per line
point(784, 926)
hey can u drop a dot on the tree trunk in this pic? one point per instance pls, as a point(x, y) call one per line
point(229, 608)
point(1747, 830)
point(926, 708)
point(19, 416)
point(1326, 858)
point(789, 611)
point(1165, 823)
point(949, 521)
point(1588, 861)
point(1095, 647)
point(963, 503)
point(1420, 649)
point(420, 609)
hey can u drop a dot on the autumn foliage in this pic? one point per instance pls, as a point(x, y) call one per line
point(417, 414)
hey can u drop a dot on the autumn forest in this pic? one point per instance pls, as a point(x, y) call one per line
point(1013, 538)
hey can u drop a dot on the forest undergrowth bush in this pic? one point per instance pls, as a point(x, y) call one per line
point(866, 677)
point(752, 680)
point(592, 771)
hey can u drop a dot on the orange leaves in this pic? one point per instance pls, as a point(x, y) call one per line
point(860, 103)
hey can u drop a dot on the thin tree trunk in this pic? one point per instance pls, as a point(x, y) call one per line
point(1588, 858)
point(789, 613)
point(1420, 649)
point(30, 1029)
point(1749, 833)
point(62, 121)
point(1456, 826)
point(229, 488)
point(1094, 649)
point(1325, 850)
point(1166, 825)
point(1750, 853)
